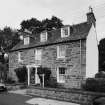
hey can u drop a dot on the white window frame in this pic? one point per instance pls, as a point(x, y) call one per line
point(19, 57)
point(58, 75)
point(59, 51)
point(26, 40)
point(43, 36)
point(63, 32)
point(38, 54)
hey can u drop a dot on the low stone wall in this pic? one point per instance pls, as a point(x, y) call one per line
point(15, 86)
point(74, 96)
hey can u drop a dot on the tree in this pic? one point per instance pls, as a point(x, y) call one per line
point(32, 25)
point(36, 26)
point(8, 39)
point(102, 55)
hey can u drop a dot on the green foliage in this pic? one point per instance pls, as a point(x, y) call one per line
point(100, 74)
point(21, 74)
point(3, 71)
point(46, 71)
point(36, 26)
point(101, 47)
point(9, 81)
point(9, 38)
point(52, 83)
point(94, 84)
point(32, 25)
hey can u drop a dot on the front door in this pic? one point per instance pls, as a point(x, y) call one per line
point(34, 78)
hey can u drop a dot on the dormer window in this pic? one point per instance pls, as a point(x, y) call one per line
point(65, 32)
point(43, 36)
point(26, 40)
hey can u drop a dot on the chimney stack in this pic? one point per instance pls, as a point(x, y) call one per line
point(90, 17)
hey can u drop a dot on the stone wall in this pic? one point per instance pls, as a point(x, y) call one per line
point(75, 61)
point(74, 96)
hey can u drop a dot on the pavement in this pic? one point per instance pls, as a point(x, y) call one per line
point(19, 91)
point(40, 101)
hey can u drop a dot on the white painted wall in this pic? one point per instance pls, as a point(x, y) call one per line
point(91, 53)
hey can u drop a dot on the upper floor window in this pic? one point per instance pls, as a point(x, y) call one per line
point(43, 36)
point(65, 32)
point(61, 51)
point(20, 57)
point(38, 54)
point(26, 40)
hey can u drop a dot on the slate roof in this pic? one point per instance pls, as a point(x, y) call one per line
point(77, 32)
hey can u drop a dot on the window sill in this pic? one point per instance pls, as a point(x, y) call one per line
point(61, 81)
point(65, 36)
point(61, 58)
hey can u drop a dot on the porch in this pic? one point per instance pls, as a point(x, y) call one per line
point(33, 77)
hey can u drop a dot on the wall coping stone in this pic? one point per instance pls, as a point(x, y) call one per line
point(70, 91)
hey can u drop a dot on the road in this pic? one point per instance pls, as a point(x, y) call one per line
point(22, 99)
point(13, 99)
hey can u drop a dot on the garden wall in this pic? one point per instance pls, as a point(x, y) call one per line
point(72, 95)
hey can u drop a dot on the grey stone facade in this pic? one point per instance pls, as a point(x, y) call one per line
point(75, 61)
point(75, 57)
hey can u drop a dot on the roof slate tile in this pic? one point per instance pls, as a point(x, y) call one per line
point(77, 32)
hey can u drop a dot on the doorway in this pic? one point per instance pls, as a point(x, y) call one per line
point(33, 77)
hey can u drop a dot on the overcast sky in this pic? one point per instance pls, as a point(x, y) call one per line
point(70, 11)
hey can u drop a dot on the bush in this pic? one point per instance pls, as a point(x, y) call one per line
point(94, 84)
point(9, 81)
point(21, 74)
point(100, 74)
point(46, 71)
point(52, 83)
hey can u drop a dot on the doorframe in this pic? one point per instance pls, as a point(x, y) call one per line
point(28, 69)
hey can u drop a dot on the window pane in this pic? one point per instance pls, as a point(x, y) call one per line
point(61, 70)
point(61, 51)
point(38, 54)
point(43, 36)
point(65, 31)
point(26, 40)
point(62, 78)
point(20, 56)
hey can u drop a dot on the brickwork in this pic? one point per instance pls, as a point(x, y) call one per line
point(74, 61)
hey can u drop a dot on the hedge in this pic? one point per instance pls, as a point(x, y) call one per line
point(94, 84)
point(21, 74)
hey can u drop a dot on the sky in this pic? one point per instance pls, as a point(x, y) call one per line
point(13, 12)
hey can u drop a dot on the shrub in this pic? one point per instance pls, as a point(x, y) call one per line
point(100, 74)
point(94, 84)
point(46, 71)
point(21, 74)
point(52, 83)
point(9, 81)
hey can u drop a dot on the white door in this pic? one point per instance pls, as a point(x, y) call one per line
point(37, 80)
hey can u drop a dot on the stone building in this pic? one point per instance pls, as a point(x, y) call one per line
point(70, 52)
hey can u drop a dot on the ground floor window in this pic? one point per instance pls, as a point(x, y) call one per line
point(61, 72)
